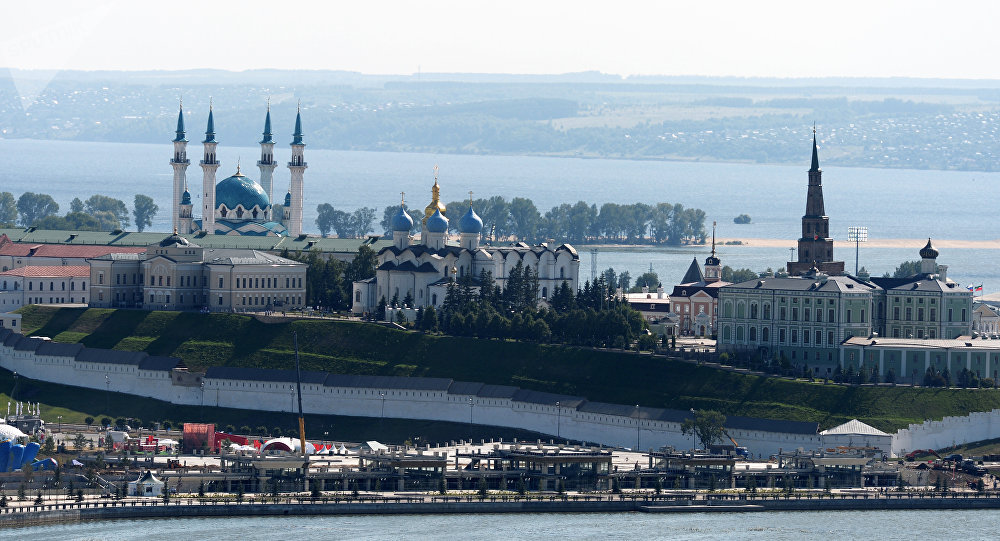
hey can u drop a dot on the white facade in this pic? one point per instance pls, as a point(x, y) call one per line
point(44, 285)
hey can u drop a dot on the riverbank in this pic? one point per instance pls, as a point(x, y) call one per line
point(950, 244)
point(56, 513)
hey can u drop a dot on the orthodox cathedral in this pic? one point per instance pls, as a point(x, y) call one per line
point(238, 205)
point(422, 271)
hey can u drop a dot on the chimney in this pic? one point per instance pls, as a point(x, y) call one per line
point(943, 273)
point(659, 291)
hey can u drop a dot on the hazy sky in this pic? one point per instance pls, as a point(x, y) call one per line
point(769, 38)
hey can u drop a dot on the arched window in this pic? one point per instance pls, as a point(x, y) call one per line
point(753, 311)
point(764, 334)
point(739, 334)
point(767, 311)
point(545, 292)
point(753, 334)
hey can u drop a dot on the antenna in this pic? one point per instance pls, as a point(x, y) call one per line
point(298, 387)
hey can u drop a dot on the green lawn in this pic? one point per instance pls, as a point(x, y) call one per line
point(204, 340)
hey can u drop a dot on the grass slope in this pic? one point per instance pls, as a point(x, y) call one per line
point(204, 340)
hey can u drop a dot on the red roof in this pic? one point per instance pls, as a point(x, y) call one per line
point(50, 271)
point(18, 249)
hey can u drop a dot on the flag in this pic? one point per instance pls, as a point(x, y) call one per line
point(979, 287)
point(970, 288)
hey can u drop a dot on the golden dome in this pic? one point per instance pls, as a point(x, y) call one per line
point(436, 203)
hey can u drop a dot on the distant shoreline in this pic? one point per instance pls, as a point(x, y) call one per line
point(916, 244)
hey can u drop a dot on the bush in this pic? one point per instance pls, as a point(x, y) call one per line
point(742, 219)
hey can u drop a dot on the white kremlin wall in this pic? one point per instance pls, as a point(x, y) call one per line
point(574, 419)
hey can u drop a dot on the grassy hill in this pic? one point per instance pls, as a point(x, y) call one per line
point(204, 340)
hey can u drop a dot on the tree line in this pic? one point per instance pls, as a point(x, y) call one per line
point(329, 281)
point(97, 213)
point(519, 219)
point(592, 316)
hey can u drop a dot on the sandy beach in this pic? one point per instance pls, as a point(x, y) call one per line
point(879, 243)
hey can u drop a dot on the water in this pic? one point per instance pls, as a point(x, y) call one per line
point(893, 203)
point(777, 526)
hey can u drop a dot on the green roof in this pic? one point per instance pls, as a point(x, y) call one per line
point(132, 238)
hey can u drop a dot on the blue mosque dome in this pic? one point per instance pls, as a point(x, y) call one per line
point(288, 199)
point(437, 223)
point(186, 198)
point(470, 223)
point(240, 190)
point(402, 221)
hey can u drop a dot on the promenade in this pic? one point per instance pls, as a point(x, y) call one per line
point(20, 514)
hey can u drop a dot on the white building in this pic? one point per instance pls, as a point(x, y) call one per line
point(44, 285)
point(423, 271)
point(238, 205)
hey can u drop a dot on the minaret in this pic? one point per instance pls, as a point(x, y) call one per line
point(297, 167)
point(713, 268)
point(180, 164)
point(185, 218)
point(266, 162)
point(209, 165)
point(815, 245)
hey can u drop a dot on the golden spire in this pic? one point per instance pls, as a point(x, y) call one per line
point(402, 199)
point(237, 166)
point(435, 199)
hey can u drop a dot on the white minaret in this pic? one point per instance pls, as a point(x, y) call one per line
point(297, 167)
point(209, 165)
point(266, 162)
point(180, 164)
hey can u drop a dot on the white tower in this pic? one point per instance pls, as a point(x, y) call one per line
point(180, 164)
point(266, 162)
point(185, 219)
point(297, 167)
point(209, 165)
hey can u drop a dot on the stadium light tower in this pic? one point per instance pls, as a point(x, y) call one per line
point(857, 234)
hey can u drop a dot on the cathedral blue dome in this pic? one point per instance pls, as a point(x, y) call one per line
point(402, 221)
point(470, 223)
point(186, 198)
point(240, 190)
point(437, 223)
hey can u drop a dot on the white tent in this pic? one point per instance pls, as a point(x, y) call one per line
point(854, 433)
point(146, 485)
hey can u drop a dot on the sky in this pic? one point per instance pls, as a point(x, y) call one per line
point(714, 38)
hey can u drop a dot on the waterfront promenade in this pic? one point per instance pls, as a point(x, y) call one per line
point(20, 514)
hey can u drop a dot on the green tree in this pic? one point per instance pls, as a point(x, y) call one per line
point(76, 205)
point(524, 218)
point(906, 269)
point(707, 425)
point(324, 218)
point(647, 279)
point(8, 209)
point(109, 210)
point(35, 206)
point(144, 209)
point(88, 420)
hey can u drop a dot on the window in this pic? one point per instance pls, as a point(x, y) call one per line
point(819, 338)
point(764, 334)
point(795, 336)
point(949, 314)
point(829, 338)
point(819, 315)
point(100, 278)
point(933, 314)
point(805, 337)
point(220, 300)
point(220, 283)
point(909, 313)
point(767, 311)
point(963, 314)
point(848, 320)
point(357, 296)
point(805, 314)
point(739, 334)
point(862, 315)
point(753, 311)
point(160, 280)
point(753, 334)
point(795, 313)
point(895, 312)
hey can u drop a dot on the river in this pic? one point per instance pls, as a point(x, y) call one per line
point(892, 203)
point(775, 526)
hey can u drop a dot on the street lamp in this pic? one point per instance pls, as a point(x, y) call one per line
point(12, 389)
point(693, 433)
point(59, 417)
point(107, 395)
point(471, 404)
point(637, 427)
point(381, 419)
point(558, 418)
point(857, 235)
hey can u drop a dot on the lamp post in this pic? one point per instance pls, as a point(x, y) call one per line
point(12, 389)
point(857, 235)
point(693, 433)
point(558, 419)
point(59, 417)
point(471, 405)
point(637, 427)
point(107, 394)
point(381, 419)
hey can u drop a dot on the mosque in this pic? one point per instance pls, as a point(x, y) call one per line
point(238, 205)
point(422, 271)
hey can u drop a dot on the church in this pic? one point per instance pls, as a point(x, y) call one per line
point(238, 205)
point(422, 271)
